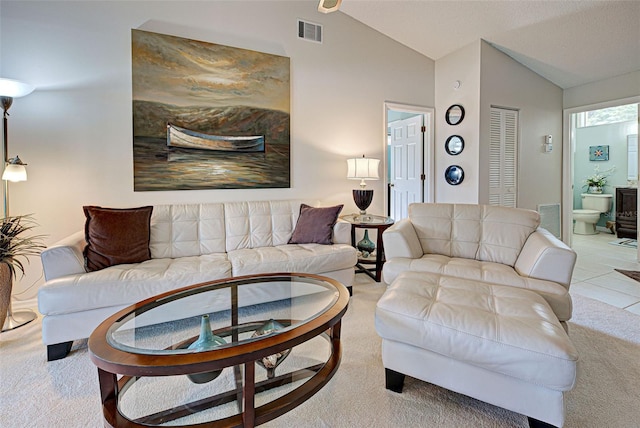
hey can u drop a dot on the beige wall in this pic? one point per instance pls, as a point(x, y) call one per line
point(464, 66)
point(490, 78)
point(615, 88)
point(75, 132)
point(507, 83)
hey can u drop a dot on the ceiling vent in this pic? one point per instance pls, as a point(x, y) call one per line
point(309, 31)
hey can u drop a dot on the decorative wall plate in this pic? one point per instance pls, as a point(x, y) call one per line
point(454, 114)
point(454, 145)
point(454, 175)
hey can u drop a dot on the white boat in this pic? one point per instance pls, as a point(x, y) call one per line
point(186, 138)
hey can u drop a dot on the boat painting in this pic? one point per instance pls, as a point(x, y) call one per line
point(188, 139)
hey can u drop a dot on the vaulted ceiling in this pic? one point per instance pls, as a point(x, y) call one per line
point(569, 43)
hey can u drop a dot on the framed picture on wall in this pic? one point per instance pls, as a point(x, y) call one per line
point(598, 153)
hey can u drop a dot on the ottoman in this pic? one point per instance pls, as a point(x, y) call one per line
point(496, 343)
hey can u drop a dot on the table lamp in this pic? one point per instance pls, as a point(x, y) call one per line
point(362, 169)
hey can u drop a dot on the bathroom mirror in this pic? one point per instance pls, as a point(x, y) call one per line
point(454, 145)
point(454, 114)
point(454, 175)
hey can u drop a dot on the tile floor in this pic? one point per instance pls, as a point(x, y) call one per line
point(594, 274)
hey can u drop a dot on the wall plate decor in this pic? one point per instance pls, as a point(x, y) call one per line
point(598, 153)
point(454, 145)
point(454, 114)
point(454, 175)
point(208, 116)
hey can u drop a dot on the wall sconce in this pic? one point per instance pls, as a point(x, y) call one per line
point(363, 169)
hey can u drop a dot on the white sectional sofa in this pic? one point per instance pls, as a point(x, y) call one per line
point(188, 244)
point(478, 303)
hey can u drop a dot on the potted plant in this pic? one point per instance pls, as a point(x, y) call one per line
point(596, 182)
point(16, 246)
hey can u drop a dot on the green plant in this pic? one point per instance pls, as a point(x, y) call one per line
point(598, 179)
point(15, 247)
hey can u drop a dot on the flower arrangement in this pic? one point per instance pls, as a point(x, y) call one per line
point(599, 178)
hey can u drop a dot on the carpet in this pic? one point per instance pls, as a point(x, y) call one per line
point(625, 242)
point(633, 274)
point(65, 393)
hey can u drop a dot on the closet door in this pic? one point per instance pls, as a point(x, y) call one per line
point(503, 157)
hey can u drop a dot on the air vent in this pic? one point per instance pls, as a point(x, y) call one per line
point(310, 31)
point(550, 218)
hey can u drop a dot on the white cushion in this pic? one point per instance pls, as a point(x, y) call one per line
point(259, 224)
point(129, 283)
point(481, 232)
point(307, 258)
point(556, 295)
point(499, 328)
point(187, 230)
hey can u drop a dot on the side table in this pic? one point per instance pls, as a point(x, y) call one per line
point(368, 221)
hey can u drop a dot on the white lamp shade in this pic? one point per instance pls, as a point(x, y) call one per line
point(14, 172)
point(14, 89)
point(363, 168)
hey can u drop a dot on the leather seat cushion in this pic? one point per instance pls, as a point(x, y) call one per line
point(308, 258)
point(128, 283)
point(555, 294)
point(498, 328)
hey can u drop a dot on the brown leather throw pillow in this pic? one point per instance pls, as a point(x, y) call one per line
point(315, 225)
point(116, 236)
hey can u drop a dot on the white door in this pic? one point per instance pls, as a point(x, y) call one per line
point(405, 164)
point(503, 160)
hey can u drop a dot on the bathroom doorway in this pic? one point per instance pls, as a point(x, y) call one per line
point(408, 157)
point(597, 137)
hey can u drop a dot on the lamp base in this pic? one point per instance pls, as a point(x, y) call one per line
point(17, 319)
point(363, 199)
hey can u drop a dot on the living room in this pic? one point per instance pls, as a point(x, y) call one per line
point(75, 129)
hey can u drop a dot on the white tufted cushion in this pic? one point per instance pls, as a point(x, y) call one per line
point(499, 328)
point(187, 230)
point(556, 295)
point(259, 224)
point(309, 258)
point(129, 283)
point(481, 232)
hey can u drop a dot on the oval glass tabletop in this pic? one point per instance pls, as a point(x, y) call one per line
point(221, 314)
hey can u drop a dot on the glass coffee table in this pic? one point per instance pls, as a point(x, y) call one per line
point(233, 352)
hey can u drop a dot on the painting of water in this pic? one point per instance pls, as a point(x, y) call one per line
point(210, 89)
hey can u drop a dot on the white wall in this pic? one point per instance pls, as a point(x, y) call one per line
point(507, 83)
point(75, 131)
point(615, 88)
point(463, 65)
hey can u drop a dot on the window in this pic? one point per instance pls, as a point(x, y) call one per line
point(608, 115)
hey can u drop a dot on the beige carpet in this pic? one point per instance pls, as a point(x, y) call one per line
point(65, 393)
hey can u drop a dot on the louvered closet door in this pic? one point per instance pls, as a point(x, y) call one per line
point(503, 157)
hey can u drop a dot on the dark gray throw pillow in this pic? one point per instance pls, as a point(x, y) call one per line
point(315, 225)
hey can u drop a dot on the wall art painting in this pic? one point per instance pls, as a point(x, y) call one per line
point(208, 116)
point(598, 153)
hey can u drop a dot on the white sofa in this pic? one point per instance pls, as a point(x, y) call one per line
point(477, 303)
point(189, 244)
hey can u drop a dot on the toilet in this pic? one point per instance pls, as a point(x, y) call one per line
point(593, 204)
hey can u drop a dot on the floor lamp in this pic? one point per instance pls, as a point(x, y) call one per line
point(13, 170)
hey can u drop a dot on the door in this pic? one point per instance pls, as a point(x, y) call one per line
point(503, 157)
point(405, 164)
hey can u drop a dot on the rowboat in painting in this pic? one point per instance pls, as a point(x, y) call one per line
point(186, 138)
